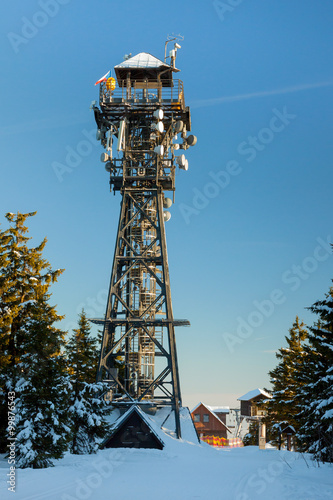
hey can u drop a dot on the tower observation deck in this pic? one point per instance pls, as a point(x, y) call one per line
point(143, 124)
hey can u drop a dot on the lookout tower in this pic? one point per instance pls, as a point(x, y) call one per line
point(143, 124)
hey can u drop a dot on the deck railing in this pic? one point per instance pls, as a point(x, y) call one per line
point(143, 92)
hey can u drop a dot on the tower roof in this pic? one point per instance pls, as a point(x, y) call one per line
point(142, 60)
point(143, 65)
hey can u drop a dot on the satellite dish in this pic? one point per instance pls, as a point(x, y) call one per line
point(159, 150)
point(181, 160)
point(158, 114)
point(104, 157)
point(191, 140)
point(179, 126)
point(176, 146)
point(166, 216)
point(108, 167)
point(158, 126)
point(167, 202)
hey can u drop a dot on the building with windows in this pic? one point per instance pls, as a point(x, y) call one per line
point(251, 403)
point(253, 409)
point(211, 421)
point(230, 423)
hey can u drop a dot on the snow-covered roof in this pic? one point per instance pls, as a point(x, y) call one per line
point(219, 409)
point(213, 409)
point(162, 423)
point(144, 66)
point(253, 394)
point(142, 60)
point(152, 426)
point(188, 430)
point(196, 406)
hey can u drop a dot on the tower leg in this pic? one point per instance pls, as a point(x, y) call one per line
point(108, 330)
point(171, 330)
point(139, 291)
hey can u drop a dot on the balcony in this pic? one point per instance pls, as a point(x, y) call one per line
point(143, 93)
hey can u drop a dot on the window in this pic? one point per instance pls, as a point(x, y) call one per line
point(196, 417)
point(206, 417)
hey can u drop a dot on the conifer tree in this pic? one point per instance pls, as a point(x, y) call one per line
point(252, 437)
point(82, 351)
point(42, 391)
point(24, 275)
point(31, 363)
point(283, 407)
point(87, 409)
point(316, 395)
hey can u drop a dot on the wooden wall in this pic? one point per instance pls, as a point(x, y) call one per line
point(214, 427)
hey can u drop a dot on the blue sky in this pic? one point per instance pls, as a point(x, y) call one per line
point(248, 236)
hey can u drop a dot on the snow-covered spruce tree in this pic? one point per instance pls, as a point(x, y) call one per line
point(24, 275)
point(282, 409)
point(252, 437)
point(88, 409)
point(316, 394)
point(42, 391)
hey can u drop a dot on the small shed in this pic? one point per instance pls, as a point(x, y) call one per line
point(134, 430)
point(287, 431)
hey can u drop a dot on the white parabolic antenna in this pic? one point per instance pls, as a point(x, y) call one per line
point(158, 126)
point(158, 114)
point(167, 202)
point(167, 216)
point(159, 150)
point(181, 161)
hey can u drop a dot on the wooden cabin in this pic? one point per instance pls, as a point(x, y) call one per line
point(211, 420)
point(250, 403)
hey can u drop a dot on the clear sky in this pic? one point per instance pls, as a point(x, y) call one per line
point(248, 236)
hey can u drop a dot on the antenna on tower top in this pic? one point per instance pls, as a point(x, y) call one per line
point(171, 38)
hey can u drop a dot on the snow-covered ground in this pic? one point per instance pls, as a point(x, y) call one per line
point(181, 471)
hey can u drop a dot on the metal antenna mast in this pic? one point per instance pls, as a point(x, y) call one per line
point(142, 122)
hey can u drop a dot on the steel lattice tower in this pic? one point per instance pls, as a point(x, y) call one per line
point(142, 121)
